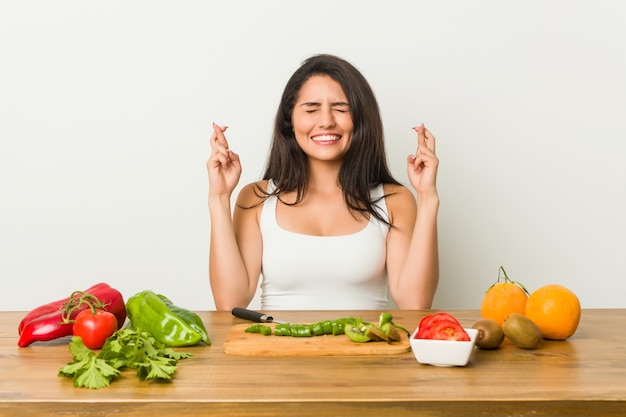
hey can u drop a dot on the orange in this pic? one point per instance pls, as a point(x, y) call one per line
point(556, 310)
point(503, 298)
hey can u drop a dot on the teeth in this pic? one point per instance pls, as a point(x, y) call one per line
point(326, 138)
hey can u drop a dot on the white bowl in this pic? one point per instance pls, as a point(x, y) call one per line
point(443, 352)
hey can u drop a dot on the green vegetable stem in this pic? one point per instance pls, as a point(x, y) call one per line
point(169, 324)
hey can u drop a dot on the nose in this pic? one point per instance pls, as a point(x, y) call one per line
point(326, 119)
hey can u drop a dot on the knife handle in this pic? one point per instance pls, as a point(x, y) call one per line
point(255, 316)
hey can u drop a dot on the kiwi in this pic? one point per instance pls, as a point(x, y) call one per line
point(357, 332)
point(392, 332)
point(522, 331)
point(376, 334)
point(490, 334)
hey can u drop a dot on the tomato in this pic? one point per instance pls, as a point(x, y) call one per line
point(94, 328)
point(449, 330)
point(428, 323)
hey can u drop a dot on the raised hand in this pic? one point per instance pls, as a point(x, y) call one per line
point(422, 167)
point(223, 166)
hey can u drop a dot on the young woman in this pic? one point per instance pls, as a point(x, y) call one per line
point(328, 227)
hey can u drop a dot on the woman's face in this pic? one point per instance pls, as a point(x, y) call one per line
point(321, 119)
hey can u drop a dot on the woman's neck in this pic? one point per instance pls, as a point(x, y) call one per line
point(324, 177)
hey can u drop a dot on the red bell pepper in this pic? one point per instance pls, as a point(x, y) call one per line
point(50, 321)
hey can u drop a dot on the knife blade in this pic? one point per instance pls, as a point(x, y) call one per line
point(258, 317)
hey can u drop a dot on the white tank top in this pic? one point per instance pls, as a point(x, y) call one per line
point(304, 272)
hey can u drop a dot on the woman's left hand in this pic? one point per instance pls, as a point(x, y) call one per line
point(422, 167)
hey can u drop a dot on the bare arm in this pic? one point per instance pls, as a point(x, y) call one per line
point(230, 281)
point(413, 255)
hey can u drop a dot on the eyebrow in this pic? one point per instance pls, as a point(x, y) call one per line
point(316, 104)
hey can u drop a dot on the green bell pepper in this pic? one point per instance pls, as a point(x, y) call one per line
point(190, 317)
point(169, 324)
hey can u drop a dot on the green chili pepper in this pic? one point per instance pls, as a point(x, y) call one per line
point(387, 318)
point(384, 318)
point(348, 320)
point(330, 327)
point(301, 330)
point(259, 328)
point(317, 329)
point(404, 329)
point(253, 329)
point(148, 312)
point(282, 329)
point(190, 317)
point(327, 327)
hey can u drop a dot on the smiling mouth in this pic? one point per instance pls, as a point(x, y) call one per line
point(326, 138)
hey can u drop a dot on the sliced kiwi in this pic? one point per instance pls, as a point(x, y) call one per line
point(391, 332)
point(490, 334)
point(376, 334)
point(357, 332)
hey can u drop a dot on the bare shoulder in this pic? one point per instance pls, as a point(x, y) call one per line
point(400, 201)
point(398, 194)
point(251, 195)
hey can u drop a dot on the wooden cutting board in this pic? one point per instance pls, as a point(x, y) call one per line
point(238, 342)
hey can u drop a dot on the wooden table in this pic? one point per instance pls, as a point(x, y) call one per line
point(583, 376)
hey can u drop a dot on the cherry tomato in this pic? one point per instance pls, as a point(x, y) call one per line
point(94, 329)
point(428, 323)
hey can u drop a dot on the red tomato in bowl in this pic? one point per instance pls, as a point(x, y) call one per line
point(449, 330)
point(441, 326)
point(94, 329)
point(428, 323)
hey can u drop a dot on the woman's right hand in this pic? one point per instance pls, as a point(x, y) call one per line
point(223, 166)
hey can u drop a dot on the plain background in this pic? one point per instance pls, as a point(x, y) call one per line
point(106, 108)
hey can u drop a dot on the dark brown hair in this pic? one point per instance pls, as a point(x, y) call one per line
point(365, 163)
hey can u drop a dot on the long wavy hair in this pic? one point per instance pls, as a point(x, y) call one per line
point(365, 164)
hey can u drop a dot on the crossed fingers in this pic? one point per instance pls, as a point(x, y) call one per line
point(219, 144)
point(425, 139)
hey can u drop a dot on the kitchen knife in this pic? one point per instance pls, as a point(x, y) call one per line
point(255, 316)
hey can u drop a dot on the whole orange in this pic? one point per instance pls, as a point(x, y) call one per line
point(556, 310)
point(503, 298)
